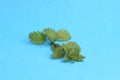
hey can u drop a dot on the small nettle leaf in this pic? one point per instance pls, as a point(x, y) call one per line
point(58, 53)
point(51, 34)
point(37, 37)
point(63, 35)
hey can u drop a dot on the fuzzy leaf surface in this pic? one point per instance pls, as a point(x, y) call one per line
point(63, 35)
point(37, 38)
point(51, 34)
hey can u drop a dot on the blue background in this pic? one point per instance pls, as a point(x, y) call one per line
point(93, 24)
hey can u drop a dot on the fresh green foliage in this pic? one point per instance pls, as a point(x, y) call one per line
point(63, 35)
point(51, 34)
point(69, 51)
point(37, 37)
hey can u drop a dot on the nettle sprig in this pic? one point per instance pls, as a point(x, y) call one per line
point(69, 51)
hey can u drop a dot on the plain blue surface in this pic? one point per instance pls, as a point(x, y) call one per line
point(93, 24)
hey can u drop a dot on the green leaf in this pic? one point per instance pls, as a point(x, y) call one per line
point(71, 48)
point(58, 53)
point(51, 34)
point(37, 38)
point(63, 35)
